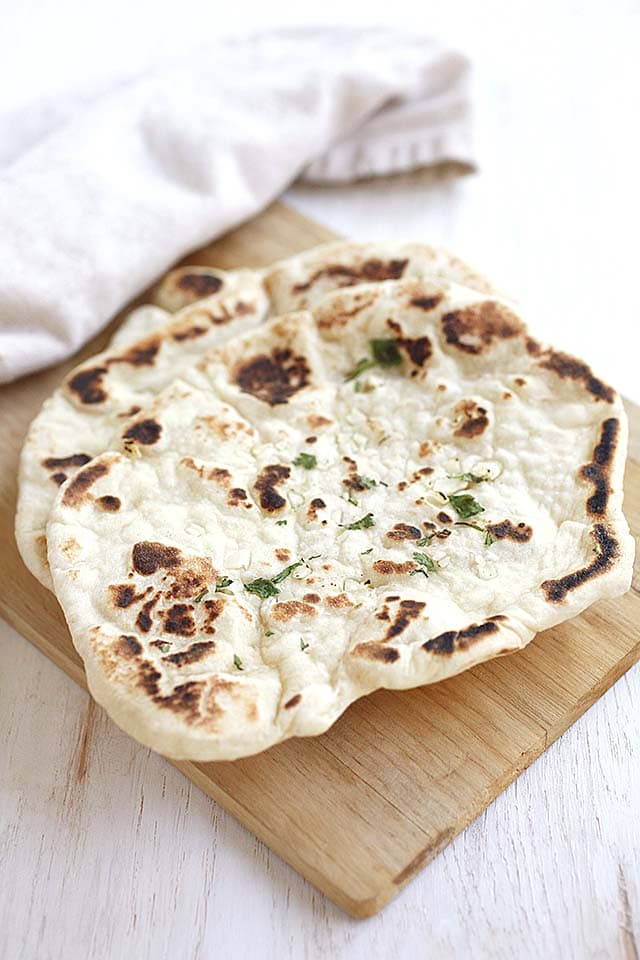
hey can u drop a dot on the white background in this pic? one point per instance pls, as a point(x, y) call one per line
point(122, 856)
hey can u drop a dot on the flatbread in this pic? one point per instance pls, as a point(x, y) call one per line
point(140, 323)
point(185, 286)
point(88, 410)
point(211, 306)
point(299, 283)
point(398, 486)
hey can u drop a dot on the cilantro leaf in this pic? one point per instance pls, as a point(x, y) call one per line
point(468, 477)
point(362, 524)
point(222, 583)
point(365, 363)
point(237, 662)
point(303, 645)
point(385, 352)
point(202, 595)
point(370, 482)
point(306, 460)
point(262, 588)
point(281, 523)
point(279, 577)
point(425, 564)
point(465, 505)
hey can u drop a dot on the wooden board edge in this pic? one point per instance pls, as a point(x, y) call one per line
point(365, 909)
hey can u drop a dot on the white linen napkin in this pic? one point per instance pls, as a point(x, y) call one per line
point(102, 190)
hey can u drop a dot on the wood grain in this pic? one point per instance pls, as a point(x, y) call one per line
point(361, 809)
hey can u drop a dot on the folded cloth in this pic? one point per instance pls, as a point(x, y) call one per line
point(102, 191)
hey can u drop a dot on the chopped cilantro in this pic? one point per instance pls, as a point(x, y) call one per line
point(362, 524)
point(165, 647)
point(385, 352)
point(262, 588)
point(202, 595)
point(237, 662)
point(365, 363)
point(269, 633)
point(364, 552)
point(425, 564)
point(467, 477)
point(303, 645)
point(352, 500)
point(267, 588)
point(222, 583)
point(425, 540)
point(306, 460)
point(465, 505)
point(488, 536)
point(370, 482)
point(281, 523)
point(279, 577)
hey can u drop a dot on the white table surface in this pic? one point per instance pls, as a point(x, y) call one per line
point(106, 851)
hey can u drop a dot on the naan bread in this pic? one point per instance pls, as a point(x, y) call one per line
point(86, 413)
point(299, 283)
point(80, 420)
point(185, 286)
point(379, 494)
point(140, 323)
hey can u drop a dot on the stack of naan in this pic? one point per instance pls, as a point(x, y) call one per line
point(279, 490)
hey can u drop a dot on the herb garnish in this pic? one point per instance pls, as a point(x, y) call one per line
point(352, 500)
point(362, 524)
point(364, 552)
point(262, 588)
point(237, 662)
point(426, 564)
point(221, 585)
point(365, 363)
point(465, 505)
point(281, 523)
point(202, 594)
point(303, 645)
point(468, 477)
point(306, 460)
point(267, 588)
point(488, 536)
point(385, 353)
point(269, 633)
point(165, 647)
point(370, 483)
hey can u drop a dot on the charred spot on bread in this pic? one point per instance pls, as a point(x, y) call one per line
point(473, 329)
point(145, 431)
point(273, 378)
point(451, 641)
point(598, 472)
point(607, 550)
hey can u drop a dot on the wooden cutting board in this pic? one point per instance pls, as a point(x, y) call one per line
point(360, 810)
